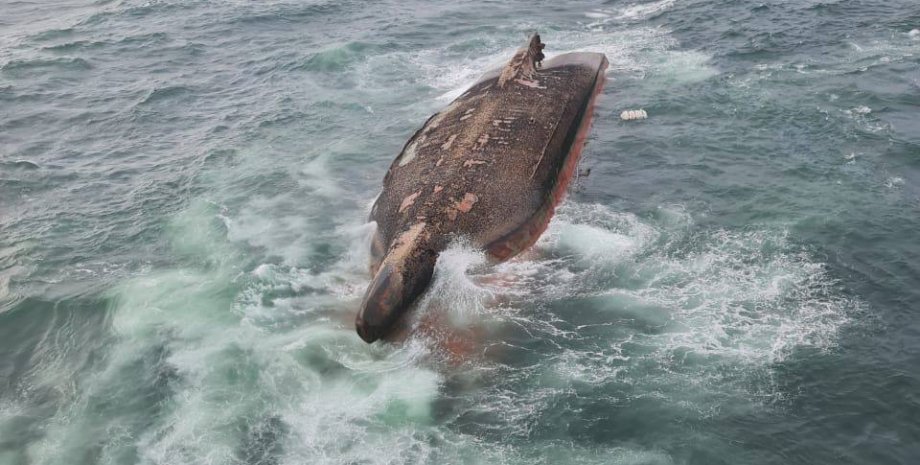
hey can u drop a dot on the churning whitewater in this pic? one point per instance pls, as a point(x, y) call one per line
point(184, 188)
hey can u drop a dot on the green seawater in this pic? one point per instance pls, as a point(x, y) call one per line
point(184, 187)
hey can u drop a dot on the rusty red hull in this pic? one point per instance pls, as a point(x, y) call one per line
point(491, 167)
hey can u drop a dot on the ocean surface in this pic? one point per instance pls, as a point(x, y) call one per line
point(184, 187)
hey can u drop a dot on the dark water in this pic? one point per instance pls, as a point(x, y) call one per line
point(183, 187)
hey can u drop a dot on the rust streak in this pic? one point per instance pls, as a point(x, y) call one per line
point(467, 203)
point(408, 201)
point(482, 141)
point(543, 153)
point(450, 141)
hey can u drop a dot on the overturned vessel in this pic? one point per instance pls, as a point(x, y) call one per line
point(490, 167)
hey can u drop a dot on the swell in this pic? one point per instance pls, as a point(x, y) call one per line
point(45, 65)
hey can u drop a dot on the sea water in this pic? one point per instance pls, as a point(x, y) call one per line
point(184, 187)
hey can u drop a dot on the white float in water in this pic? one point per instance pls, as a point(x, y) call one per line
point(629, 115)
point(914, 34)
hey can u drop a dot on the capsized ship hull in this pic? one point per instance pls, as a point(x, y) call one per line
point(490, 167)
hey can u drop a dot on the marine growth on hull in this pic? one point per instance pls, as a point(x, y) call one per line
point(490, 168)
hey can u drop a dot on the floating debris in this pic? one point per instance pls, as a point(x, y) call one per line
point(629, 115)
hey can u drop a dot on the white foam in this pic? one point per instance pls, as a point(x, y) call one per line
point(233, 357)
point(440, 68)
point(634, 13)
point(643, 11)
point(238, 352)
point(685, 66)
point(286, 234)
point(864, 119)
point(458, 77)
point(452, 286)
point(874, 51)
point(10, 412)
point(740, 299)
point(316, 176)
point(597, 232)
point(5, 276)
point(595, 242)
point(598, 14)
point(894, 182)
point(643, 51)
point(229, 370)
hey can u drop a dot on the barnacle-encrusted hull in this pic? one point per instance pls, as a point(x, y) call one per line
point(490, 167)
